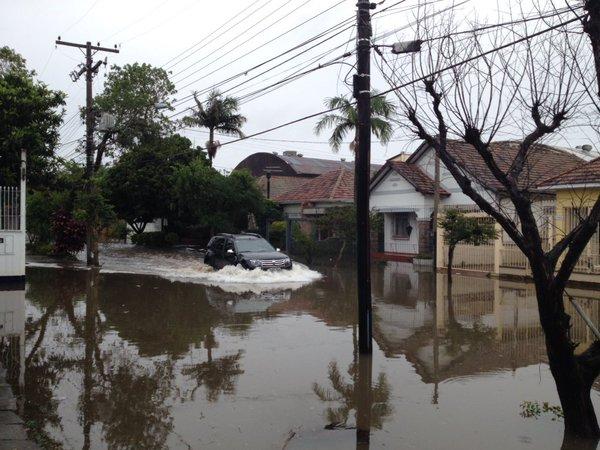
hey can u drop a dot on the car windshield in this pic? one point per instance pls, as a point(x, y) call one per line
point(253, 245)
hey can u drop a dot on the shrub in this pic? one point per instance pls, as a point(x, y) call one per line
point(69, 233)
point(155, 239)
point(149, 239)
point(277, 234)
point(117, 230)
point(171, 239)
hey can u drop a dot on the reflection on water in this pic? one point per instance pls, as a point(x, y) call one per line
point(112, 360)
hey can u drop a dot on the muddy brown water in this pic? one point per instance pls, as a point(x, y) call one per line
point(123, 360)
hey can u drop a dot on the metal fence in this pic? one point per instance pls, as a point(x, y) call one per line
point(10, 208)
point(401, 247)
point(589, 262)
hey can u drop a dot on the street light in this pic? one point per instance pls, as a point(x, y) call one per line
point(401, 48)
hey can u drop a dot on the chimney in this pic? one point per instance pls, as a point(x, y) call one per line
point(402, 157)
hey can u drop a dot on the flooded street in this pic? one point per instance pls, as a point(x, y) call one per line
point(160, 352)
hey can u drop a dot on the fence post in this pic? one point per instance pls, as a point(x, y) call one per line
point(497, 248)
point(439, 247)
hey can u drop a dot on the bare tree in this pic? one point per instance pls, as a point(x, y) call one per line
point(522, 80)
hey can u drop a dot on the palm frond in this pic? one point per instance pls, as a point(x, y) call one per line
point(382, 129)
point(328, 121)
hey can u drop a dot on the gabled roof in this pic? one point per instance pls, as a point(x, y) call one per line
point(336, 186)
point(543, 160)
point(414, 175)
point(588, 173)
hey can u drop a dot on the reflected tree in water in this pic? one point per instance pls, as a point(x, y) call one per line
point(218, 376)
point(132, 406)
point(345, 394)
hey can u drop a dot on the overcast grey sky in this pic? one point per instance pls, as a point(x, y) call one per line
point(155, 31)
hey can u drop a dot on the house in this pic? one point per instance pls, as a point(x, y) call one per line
point(305, 203)
point(576, 192)
point(277, 173)
point(403, 188)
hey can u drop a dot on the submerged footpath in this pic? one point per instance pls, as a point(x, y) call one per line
point(13, 434)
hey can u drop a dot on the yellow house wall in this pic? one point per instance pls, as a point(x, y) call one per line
point(572, 198)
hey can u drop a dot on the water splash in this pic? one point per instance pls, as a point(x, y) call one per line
point(187, 266)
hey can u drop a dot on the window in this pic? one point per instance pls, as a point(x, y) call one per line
point(229, 245)
point(402, 228)
point(215, 244)
point(254, 246)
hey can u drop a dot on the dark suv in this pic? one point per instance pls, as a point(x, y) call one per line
point(250, 251)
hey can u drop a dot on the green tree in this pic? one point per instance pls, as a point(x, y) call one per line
point(137, 184)
point(137, 95)
point(345, 120)
point(30, 114)
point(219, 114)
point(340, 222)
point(460, 228)
point(204, 198)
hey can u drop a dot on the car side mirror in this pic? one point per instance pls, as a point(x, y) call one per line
point(230, 251)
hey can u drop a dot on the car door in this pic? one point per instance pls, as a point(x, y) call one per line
point(216, 252)
point(229, 256)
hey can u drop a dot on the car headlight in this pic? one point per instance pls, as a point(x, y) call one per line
point(255, 262)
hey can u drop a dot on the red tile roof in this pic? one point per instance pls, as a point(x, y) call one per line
point(587, 173)
point(543, 161)
point(337, 185)
point(415, 176)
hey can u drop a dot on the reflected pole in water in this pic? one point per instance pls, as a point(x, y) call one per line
point(364, 401)
point(91, 308)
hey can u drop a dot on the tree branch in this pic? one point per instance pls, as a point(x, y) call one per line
point(579, 241)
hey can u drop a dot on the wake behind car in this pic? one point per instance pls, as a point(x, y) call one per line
point(249, 250)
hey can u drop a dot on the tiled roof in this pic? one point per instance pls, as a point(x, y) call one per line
point(415, 176)
point(337, 185)
point(280, 184)
point(543, 161)
point(587, 173)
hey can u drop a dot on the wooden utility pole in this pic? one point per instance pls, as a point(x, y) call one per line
point(362, 173)
point(90, 69)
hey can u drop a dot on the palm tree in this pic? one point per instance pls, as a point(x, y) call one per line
point(346, 120)
point(218, 114)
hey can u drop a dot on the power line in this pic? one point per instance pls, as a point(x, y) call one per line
point(193, 3)
point(394, 88)
point(136, 21)
point(266, 43)
point(297, 47)
point(306, 42)
point(168, 64)
point(189, 97)
point(70, 27)
point(236, 47)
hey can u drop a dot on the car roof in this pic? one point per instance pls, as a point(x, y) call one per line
point(240, 236)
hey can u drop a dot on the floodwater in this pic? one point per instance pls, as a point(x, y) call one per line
point(156, 351)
